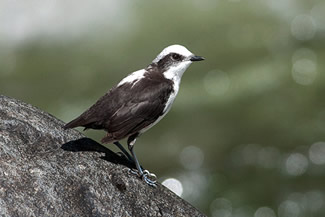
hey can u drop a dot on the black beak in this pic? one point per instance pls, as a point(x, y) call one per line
point(197, 58)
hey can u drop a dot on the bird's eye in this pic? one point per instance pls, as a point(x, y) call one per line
point(176, 56)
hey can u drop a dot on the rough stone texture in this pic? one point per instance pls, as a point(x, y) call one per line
point(47, 171)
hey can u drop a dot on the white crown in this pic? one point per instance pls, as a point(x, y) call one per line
point(179, 49)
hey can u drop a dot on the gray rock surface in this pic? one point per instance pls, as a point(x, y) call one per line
point(47, 171)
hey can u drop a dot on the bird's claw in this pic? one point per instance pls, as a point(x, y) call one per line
point(146, 176)
point(149, 178)
point(134, 171)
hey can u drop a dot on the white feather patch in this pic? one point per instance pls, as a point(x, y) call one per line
point(133, 77)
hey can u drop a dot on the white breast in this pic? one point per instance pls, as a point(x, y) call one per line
point(175, 74)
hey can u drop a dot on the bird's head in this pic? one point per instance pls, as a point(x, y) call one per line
point(174, 60)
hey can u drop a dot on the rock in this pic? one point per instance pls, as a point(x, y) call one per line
point(48, 171)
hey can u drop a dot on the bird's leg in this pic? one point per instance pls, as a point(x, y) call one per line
point(126, 153)
point(144, 174)
point(130, 158)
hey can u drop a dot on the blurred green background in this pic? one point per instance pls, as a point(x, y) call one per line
point(246, 135)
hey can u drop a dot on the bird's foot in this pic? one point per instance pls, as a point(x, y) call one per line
point(149, 178)
point(134, 172)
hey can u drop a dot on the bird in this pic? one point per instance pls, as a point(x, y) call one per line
point(138, 102)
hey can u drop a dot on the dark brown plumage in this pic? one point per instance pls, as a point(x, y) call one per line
point(126, 109)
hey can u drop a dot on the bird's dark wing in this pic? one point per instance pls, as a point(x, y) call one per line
point(144, 108)
point(127, 109)
point(97, 113)
point(133, 117)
